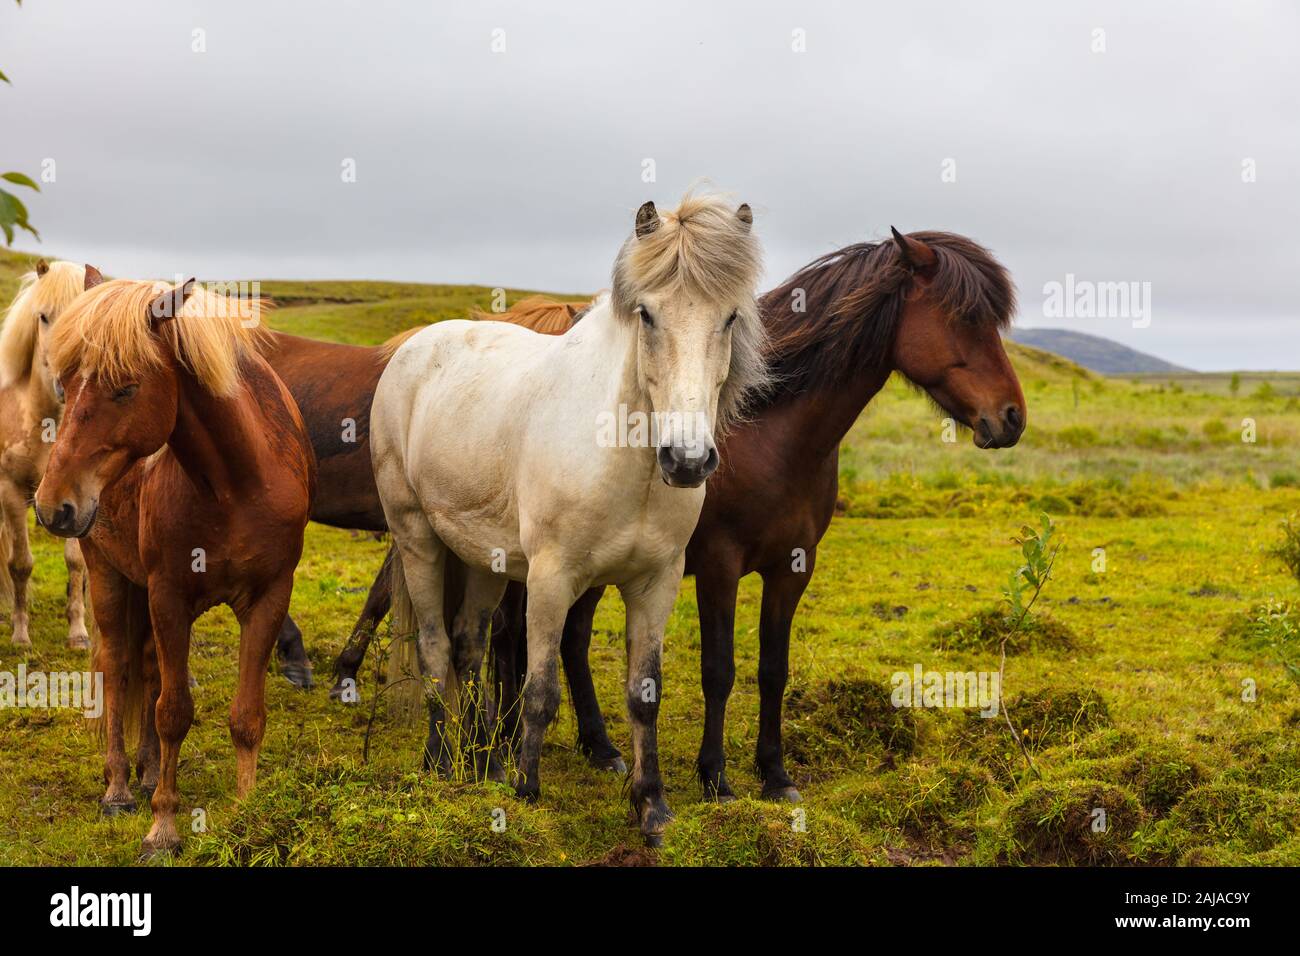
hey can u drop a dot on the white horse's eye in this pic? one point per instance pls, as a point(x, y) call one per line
point(645, 316)
point(731, 321)
point(45, 319)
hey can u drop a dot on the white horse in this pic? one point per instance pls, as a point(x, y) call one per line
point(501, 446)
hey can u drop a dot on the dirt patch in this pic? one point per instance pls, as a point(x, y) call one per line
point(1080, 822)
point(985, 630)
point(846, 718)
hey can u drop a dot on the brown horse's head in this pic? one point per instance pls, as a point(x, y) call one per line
point(948, 339)
point(120, 408)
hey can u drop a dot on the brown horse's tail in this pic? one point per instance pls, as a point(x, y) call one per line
point(6, 554)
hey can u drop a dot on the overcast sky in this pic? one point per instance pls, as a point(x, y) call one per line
point(523, 167)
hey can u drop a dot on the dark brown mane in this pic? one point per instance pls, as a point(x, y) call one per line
point(852, 302)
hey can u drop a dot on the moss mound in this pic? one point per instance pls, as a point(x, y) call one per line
point(335, 814)
point(1051, 717)
point(929, 803)
point(842, 719)
point(1231, 815)
point(984, 631)
point(758, 833)
point(1087, 822)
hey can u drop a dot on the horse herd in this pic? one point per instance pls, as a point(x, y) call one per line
point(193, 445)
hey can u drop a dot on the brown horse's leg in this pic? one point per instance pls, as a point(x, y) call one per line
point(378, 601)
point(715, 594)
point(574, 647)
point(259, 625)
point(295, 666)
point(509, 651)
point(469, 635)
point(174, 712)
point(78, 638)
point(782, 590)
point(14, 505)
point(114, 596)
point(147, 754)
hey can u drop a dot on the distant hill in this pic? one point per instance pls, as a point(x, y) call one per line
point(1093, 351)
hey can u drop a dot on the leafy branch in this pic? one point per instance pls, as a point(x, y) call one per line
point(1028, 580)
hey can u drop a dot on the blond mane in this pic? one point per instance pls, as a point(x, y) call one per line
point(540, 313)
point(48, 293)
point(106, 334)
point(703, 249)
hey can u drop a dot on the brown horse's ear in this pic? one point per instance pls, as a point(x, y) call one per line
point(42, 267)
point(93, 277)
point(746, 216)
point(916, 255)
point(168, 304)
point(647, 220)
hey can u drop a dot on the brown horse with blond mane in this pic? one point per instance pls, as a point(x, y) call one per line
point(185, 468)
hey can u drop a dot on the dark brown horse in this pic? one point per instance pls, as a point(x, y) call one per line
point(185, 468)
point(929, 305)
point(334, 385)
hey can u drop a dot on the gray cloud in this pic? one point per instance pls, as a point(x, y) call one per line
point(523, 168)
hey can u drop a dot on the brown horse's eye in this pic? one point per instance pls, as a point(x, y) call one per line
point(125, 393)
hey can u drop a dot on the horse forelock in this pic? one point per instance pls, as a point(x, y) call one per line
point(60, 284)
point(704, 250)
point(107, 335)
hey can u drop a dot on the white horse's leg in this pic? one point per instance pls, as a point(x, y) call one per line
point(424, 560)
point(469, 634)
point(551, 592)
point(649, 603)
point(78, 638)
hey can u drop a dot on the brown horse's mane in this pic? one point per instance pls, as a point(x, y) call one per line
point(539, 313)
point(852, 302)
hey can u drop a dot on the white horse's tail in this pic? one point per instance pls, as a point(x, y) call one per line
point(405, 686)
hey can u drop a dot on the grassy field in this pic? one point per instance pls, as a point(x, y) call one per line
point(1162, 690)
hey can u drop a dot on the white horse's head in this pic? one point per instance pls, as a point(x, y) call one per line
point(42, 296)
point(687, 279)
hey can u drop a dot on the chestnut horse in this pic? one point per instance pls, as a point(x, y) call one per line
point(185, 468)
point(30, 409)
point(929, 305)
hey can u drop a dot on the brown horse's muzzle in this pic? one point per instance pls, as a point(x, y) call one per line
point(1000, 432)
point(67, 521)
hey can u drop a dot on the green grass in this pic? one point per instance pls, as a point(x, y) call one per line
point(1131, 700)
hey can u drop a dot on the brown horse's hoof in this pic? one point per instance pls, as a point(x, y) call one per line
point(155, 851)
point(786, 794)
point(21, 642)
point(654, 841)
point(338, 691)
point(117, 809)
point(614, 764)
point(298, 673)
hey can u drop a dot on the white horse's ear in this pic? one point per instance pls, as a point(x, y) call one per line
point(746, 216)
point(42, 267)
point(647, 220)
point(93, 277)
point(168, 304)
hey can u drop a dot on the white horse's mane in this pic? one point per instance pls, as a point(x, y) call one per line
point(704, 249)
